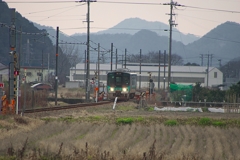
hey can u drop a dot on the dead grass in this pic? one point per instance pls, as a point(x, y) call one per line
point(64, 140)
point(94, 134)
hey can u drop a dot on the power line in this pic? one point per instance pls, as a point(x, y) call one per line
point(130, 3)
point(61, 12)
point(49, 10)
point(211, 9)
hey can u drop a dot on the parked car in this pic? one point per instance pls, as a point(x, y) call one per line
point(42, 86)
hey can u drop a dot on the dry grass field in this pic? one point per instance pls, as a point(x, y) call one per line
point(125, 133)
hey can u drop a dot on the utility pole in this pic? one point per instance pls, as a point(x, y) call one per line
point(164, 76)
point(211, 56)
point(140, 70)
point(159, 58)
point(171, 23)
point(87, 89)
point(88, 51)
point(201, 56)
point(111, 55)
point(116, 59)
point(122, 60)
point(220, 64)
point(56, 74)
point(207, 70)
point(85, 67)
point(125, 57)
point(13, 68)
point(42, 67)
point(98, 71)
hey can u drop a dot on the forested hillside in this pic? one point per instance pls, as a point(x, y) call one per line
point(31, 53)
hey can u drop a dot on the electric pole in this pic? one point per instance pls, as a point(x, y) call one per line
point(116, 59)
point(87, 89)
point(164, 76)
point(125, 57)
point(171, 23)
point(13, 69)
point(88, 59)
point(201, 56)
point(111, 55)
point(207, 70)
point(140, 70)
point(159, 58)
point(56, 74)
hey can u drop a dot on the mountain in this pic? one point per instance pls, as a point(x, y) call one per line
point(128, 26)
point(222, 41)
point(133, 25)
point(32, 40)
point(52, 33)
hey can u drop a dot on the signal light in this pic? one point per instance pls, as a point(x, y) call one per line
point(16, 73)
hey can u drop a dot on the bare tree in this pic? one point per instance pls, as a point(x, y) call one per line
point(69, 56)
point(153, 57)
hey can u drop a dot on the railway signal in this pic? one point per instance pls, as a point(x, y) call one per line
point(1, 85)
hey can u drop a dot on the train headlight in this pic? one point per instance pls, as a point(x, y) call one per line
point(111, 89)
point(124, 89)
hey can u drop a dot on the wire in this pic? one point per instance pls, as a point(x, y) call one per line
point(26, 33)
point(48, 10)
point(138, 3)
point(39, 1)
point(61, 12)
point(212, 9)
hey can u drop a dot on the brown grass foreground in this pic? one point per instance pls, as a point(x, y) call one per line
point(94, 134)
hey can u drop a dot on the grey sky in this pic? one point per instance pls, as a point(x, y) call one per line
point(70, 15)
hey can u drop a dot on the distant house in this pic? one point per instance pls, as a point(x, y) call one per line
point(35, 74)
point(179, 74)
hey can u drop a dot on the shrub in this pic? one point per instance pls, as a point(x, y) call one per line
point(205, 121)
point(218, 124)
point(139, 119)
point(170, 122)
point(127, 120)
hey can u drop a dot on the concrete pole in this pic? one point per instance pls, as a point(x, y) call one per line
point(140, 70)
point(159, 58)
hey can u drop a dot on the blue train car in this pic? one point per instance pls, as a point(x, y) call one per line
point(121, 83)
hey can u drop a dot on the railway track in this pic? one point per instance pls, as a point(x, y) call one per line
point(70, 106)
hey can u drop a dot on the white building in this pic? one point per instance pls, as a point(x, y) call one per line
point(179, 74)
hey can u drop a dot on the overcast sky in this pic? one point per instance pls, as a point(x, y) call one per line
point(198, 18)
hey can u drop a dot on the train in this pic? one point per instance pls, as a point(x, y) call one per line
point(121, 83)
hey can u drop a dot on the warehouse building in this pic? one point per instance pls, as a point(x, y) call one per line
point(179, 74)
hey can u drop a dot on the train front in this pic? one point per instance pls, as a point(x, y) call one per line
point(118, 85)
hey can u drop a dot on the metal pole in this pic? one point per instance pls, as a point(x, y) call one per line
point(98, 68)
point(125, 57)
point(48, 67)
point(116, 60)
point(56, 74)
point(159, 69)
point(42, 67)
point(122, 60)
point(25, 90)
point(140, 70)
point(207, 70)
point(111, 55)
point(170, 46)
point(88, 51)
point(164, 76)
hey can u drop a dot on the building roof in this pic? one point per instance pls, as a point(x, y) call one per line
point(2, 66)
point(146, 68)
